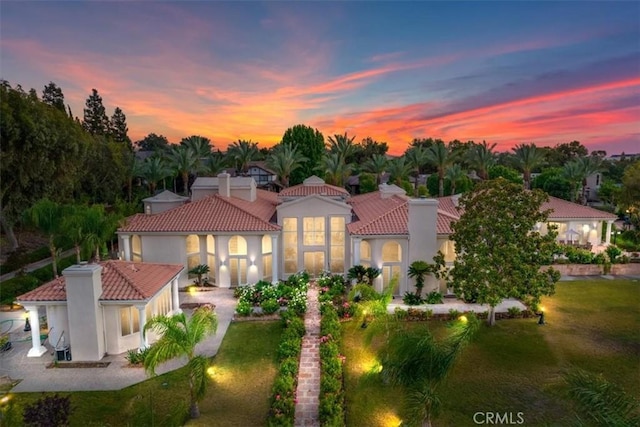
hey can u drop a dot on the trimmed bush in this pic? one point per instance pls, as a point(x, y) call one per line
point(410, 298)
point(331, 408)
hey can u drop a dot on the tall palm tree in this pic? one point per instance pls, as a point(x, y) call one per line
point(416, 158)
point(577, 171)
point(455, 174)
point(527, 158)
point(441, 157)
point(283, 160)
point(184, 162)
point(416, 360)
point(178, 338)
point(155, 170)
point(200, 145)
point(46, 215)
point(481, 157)
point(73, 228)
point(377, 165)
point(98, 227)
point(334, 169)
point(242, 153)
point(398, 170)
point(343, 145)
point(215, 164)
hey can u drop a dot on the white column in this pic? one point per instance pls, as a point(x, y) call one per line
point(175, 299)
point(275, 259)
point(37, 349)
point(356, 250)
point(127, 247)
point(202, 239)
point(607, 238)
point(142, 316)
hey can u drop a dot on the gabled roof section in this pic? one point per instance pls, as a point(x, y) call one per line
point(211, 214)
point(305, 199)
point(563, 209)
point(121, 281)
point(313, 185)
point(166, 196)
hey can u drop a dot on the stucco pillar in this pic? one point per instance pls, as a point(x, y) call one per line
point(37, 349)
point(275, 259)
point(175, 299)
point(142, 318)
point(202, 240)
point(126, 246)
point(608, 233)
point(356, 250)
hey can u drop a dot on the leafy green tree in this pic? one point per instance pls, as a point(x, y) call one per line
point(630, 196)
point(481, 158)
point(105, 170)
point(553, 182)
point(500, 255)
point(284, 160)
point(463, 185)
point(308, 141)
point(46, 216)
point(73, 228)
point(441, 157)
point(398, 170)
point(155, 170)
point(609, 192)
point(153, 142)
point(564, 153)
point(414, 359)
point(242, 153)
point(178, 338)
point(527, 157)
point(367, 149)
point(501, 171)
point(95, 120)
point(52, 95)
point(367, 183)
point(377, 165)
point(118, 128)
point(416, 157)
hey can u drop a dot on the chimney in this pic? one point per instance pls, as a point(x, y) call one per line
point(86, 329)
point(224, 185)
point(423, 218)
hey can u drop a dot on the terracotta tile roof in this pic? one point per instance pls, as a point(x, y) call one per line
point(121, 281)
point(313, 185)
point(211, 214)
point(388, 216)
point(563, 209)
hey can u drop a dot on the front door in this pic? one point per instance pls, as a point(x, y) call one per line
point(314, 262)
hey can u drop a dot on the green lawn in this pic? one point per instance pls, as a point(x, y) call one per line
point(516, 366)
point(238, 395)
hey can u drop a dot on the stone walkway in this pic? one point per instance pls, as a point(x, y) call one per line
point(308, 392)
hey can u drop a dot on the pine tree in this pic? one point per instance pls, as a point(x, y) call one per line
point(52, 95)
point(95, 120)
point(118, 128)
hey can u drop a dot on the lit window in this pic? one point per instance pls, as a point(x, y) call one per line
point(129, 321)
point(313, 231)
point(290, 244)
point(267, 259)
point(337, 244)
point(391, 252)
point(136, 248)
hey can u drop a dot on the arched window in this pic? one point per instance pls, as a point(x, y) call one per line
point(267, 258)
point(238, 260)
point(136, 248)
point(391, 261)
point(365, 253)
point(193, 251)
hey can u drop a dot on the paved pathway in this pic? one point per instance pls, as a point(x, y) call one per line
point(308, 392)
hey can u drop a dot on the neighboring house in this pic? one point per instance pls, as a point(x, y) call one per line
point(99, 309)
point(245, 234)
point(264, 177)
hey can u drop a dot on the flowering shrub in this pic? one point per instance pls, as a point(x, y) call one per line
point(269, 296)
point(331, 408)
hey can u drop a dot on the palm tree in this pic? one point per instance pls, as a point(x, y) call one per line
point(47, 215)
point(215, 164)
point(572, 171)
point(398, 170)
point(178, 338)
point(527, 158)
point(283, 160)
point(73, 228)
point(98, 227)
point(481, 158)
point(155, 170)
point(414, 359)
point(439, 156)
point(416, 159)
point(134, 168)
point(243, 152)
point(184, 162)
point(455, 174)
point(200, 145)
point(335, 169)
point(343, 145)
point(377, 165)
point(418, 270)
point(588, 165)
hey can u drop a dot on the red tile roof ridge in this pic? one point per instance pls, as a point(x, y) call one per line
point(445, 213)
point(372, 221)
point(229, 200)
point(127, 279)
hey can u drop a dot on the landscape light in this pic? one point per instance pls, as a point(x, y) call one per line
point(463, 319)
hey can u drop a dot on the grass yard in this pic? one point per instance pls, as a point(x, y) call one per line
point(516, 366)
point(238, 394)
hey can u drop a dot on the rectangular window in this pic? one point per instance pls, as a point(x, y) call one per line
point(313, 231)
point(389, 272)
point(314, 262)
point(238, 270)
point(337, 244)
point(135, 320)
point(290, 244)
point(267, 264)
point(129, 321)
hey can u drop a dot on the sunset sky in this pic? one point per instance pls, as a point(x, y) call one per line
point(504, 72)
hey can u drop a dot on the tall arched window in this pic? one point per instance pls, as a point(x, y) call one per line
point(211, 257)
point(136, 248)
point(365, 254)
point(193, 251)
point(391, 261)
point(267, 258)
point(238, 260)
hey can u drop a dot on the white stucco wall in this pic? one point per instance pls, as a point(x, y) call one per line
point(58, 322)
